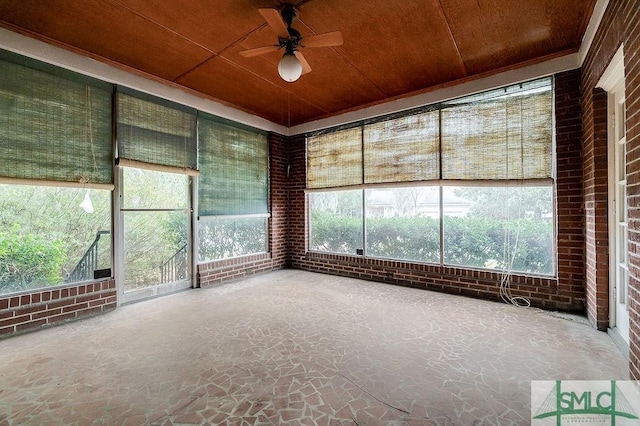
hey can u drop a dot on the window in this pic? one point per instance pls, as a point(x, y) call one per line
point(52, 235)
point(233, 194)
point(468, 182)
point(403, 223)
point(336, 221)
point(56, 175)
point(221, 238)
point(153, 131)
point(505, 228)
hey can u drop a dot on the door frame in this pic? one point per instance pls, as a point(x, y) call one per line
point(118, 245)
point(613, 82)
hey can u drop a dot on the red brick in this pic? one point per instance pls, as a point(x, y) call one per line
point(61, 317)
point(87, 298)
point(29, 309)
point(15, 320)
point(30, 325)
point(59, 304)
point(97, 302)
point(75, 307)
point(90, 311)
point(7, 330)
point(47, 313)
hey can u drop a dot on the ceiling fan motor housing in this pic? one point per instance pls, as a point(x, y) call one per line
point(289, 14)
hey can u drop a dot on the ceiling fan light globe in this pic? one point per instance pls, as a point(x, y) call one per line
point(289, 68)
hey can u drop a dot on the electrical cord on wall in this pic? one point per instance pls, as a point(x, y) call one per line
point(509, 257)
point(505, 282)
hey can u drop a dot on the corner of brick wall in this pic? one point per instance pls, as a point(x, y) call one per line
point(296, 225)
point(278, 169)
point(28, 311)
point(569, 194)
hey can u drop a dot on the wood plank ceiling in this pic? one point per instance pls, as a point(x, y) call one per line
point(392, 48)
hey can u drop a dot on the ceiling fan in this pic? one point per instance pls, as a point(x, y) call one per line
point(293, 64)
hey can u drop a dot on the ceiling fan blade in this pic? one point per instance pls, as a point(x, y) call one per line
point(305, 65)
point(249, 53)
point(273, 18)
point(323, 40)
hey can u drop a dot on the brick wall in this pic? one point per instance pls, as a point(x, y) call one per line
point(542, 292)
point(596, 226)
point(297, 235)
point(569, 195)
point(620, 24)
point(215, 272)
point(565, 292)
point(32, 310)
point(278, 198)
point(219, 271)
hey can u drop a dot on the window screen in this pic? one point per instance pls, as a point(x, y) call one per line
point(154, 131)
point(55, 125)
point(234, 165)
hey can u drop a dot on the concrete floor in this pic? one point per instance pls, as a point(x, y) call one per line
point(293, 347)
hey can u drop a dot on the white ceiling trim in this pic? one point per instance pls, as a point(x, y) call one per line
point(542, 69)
point(590, 33)
point(36, 49)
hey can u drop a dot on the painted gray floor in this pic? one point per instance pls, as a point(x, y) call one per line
point(293, 347)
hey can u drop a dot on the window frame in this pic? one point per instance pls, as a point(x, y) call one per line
point(540, 85)
point(99, 235)
point(440, 185)
point(204, 219)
